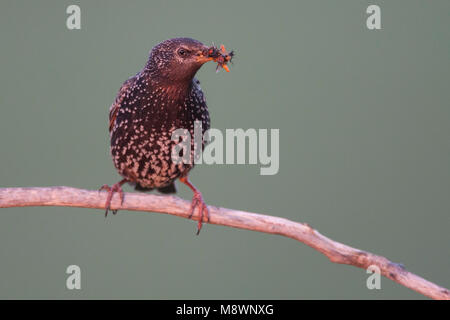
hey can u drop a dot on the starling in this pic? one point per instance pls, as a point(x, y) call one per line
point(162, 97)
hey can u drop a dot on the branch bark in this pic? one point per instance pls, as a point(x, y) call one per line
point(335, 251)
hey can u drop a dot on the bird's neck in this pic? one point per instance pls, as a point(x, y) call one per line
point(172, 89)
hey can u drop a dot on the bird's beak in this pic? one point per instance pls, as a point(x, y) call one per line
point(203, 55)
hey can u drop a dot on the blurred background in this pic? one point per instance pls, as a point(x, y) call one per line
point(364, 123)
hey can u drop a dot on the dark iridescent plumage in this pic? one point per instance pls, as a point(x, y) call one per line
point(162, 97)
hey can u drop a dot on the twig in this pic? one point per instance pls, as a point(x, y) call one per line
point(335, 251)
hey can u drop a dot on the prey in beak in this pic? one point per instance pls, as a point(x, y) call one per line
point(220, 56)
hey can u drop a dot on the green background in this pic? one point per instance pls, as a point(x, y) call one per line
point(364, 121)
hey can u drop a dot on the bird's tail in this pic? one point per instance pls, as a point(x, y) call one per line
point(167, 189)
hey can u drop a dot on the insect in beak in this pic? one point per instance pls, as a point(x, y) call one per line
point(220, 56)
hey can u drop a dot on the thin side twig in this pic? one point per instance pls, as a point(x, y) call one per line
point(335, 251)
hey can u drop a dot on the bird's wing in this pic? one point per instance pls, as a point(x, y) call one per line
point(114, 109)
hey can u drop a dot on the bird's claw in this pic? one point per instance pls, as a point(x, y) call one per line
point(197, 201)
point(117, 187)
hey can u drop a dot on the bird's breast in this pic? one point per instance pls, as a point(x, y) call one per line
point(141, 138)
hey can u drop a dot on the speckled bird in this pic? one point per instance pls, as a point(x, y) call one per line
point(162, 97)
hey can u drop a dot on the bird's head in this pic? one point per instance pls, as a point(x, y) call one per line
point(177, 60)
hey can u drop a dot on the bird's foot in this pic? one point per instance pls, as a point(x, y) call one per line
point(198, 202)
point(117, 187)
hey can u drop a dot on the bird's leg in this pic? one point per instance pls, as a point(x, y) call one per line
point(117, 187)
point(197, 201)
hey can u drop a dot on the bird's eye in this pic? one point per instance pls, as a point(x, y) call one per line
point(183, 52)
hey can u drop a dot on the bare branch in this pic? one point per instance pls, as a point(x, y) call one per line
point(335, 251)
